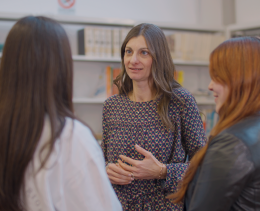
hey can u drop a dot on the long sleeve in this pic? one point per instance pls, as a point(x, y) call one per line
point(105, 132)
point(226, 168)
point(90, 189)
point(74, 176)
point(192, 138)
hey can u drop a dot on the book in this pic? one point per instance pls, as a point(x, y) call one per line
point(97, 42)
point(1, 47)
point(116, 72)
point(209, 118)
point(179, 76)
point(108, 43)
point(85, 41)
point(109, 79)
point(100, 90)
point(124, 32)
point(116, 43)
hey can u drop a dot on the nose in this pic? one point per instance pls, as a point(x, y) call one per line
point(210, 87)
point(134, 59)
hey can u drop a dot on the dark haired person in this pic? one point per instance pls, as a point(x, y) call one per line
point(151, 126)
point(225, 174)
point(48, 159)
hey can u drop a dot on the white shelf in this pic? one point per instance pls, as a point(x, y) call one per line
point(102, 100)
point(244, 26)
point(193, 63)
point(100, 59)
point(97, 59)
point(205, 101)
point(89, 100)
point(241, 27)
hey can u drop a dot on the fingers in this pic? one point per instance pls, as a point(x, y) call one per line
point(126, 167)
point(142, 151)
point(128, 160)
point(113, 167)
point(118, 175)
point(119, 179)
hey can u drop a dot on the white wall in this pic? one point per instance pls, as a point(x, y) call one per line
point(247, 11)
point(207, 12)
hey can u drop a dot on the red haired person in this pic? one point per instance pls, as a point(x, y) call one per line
point(225, 174)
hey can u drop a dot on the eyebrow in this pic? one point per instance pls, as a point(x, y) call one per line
point(139, 48)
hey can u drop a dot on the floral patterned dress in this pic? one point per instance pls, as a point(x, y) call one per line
point(126, 123)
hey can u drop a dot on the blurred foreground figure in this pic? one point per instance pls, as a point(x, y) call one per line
point(49, 161)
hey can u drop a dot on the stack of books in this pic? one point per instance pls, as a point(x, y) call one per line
point(101, 42)
point(105, 87)
point(209, 118)
point(191, 46)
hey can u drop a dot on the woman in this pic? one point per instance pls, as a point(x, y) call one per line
point(151, 127)
point(48, 159)
point(225, 174)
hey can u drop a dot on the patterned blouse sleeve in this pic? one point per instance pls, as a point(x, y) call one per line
point(193, 137)
point(105, 131)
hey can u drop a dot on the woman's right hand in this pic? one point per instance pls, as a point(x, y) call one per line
point(117, 175)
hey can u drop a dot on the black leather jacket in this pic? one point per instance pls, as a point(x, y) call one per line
point(229, 176)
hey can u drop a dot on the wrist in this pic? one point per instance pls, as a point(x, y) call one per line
point(163, 171)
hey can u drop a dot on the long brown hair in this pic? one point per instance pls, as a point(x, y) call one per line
point(35, 79)
point(234, 63)
point(162, 67)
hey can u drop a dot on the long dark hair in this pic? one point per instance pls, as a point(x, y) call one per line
point(162, 67)
point(35, 80)
point(234, 63)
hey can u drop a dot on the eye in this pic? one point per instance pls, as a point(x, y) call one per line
point(127, 51)
point(144, 53)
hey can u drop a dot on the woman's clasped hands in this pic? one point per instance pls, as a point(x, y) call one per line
point(148, 168)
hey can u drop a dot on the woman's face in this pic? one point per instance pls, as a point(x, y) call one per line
point(220, 93)
point(137, 59)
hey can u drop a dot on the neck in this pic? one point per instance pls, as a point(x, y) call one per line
point(142, 92)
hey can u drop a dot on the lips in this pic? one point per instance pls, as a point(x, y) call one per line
point(135, 69)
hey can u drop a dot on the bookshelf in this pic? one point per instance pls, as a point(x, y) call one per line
point(245, 29)
point(86, 68)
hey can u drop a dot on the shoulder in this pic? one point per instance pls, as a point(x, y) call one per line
point(114, 99)
point(78, 141)
point(247, 131)
point(225, 141)
point(183, 99)
point(183, 95)
point(226, 151)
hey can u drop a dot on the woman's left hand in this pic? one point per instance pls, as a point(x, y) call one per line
point(148, 168)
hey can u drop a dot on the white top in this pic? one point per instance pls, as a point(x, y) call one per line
point(74, 178)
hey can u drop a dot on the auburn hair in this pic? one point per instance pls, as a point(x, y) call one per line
point(234, 63)
point(162, 71)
